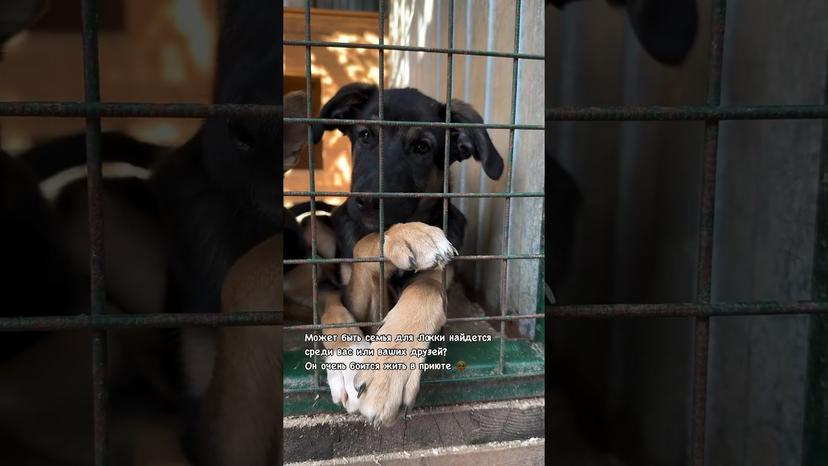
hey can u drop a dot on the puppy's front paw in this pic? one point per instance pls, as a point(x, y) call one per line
point(417, 246)
point(341, 381)
point(384, 393)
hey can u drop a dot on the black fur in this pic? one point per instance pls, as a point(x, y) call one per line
point(413, 159)
point(563, 202)
point(37, 276)
point(220, 194)
point(666, 29)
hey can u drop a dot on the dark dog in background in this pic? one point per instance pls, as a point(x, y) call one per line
point(415, 245)
point(666, 29)
point(37, 278)
point(208, 239)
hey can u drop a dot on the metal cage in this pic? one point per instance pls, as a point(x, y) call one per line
point(495, 370)
point(702, 309)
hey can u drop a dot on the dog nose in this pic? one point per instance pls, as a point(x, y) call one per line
point(366, 202)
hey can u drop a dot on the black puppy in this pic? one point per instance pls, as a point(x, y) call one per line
point(219, 196)
point(413, 159)
point(415, 245)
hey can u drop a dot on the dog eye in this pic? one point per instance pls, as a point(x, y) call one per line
point(364, 136)
point(421, 147)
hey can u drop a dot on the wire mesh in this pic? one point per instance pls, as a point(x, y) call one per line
point(711, 113)
point(445, 195)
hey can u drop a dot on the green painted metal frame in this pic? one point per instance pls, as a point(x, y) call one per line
point(480, 380)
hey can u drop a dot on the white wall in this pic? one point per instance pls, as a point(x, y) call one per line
point(485, 83)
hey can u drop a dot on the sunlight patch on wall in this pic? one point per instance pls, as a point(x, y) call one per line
point(190, 20)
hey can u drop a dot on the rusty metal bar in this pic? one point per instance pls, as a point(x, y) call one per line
point(410, 48)
point(381, 166)
point(424, 124)
point(409, 195)
point(706, 224)
point(624, 311)
point(119, 321)
point(688, 113)
point(352, 260)
point(94, 180)
point(587, 311)
point(199, 110)
point(448, 321)
point(447, 152)
point(504, 267)
point(312, 187)
point(815, 424)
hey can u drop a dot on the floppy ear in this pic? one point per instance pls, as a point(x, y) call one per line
point(344, 105)
point(295, 135)
point(666, 29)
point(466, 142)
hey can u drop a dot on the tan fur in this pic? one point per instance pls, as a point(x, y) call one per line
point(363, 286)
point(252, 282)
point(336, 313)
point(298, 283)
point(418, 311)
point(408, 246)
point(241, 411)
point(325, 237)
point(241, 415)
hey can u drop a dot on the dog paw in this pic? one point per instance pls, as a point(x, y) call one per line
point(384, 394)
point(341, 381)
point(417, 246)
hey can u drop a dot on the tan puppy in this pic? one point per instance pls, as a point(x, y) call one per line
point(380, 394)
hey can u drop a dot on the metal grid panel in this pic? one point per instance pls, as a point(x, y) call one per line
point(92, 109)
point(504, 257)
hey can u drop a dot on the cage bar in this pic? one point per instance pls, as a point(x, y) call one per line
point(447, 153)
point(381, 167)
point(580, 311)
point(94, 182)
point(504, 267)
point(312, 186)
point(352, 260)
point(409, 48)
point(707, 212)
point(409, 195)
point(68, 109)
point(815, 426)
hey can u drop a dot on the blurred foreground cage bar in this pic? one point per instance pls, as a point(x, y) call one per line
point(712, 113)
point(815, 435)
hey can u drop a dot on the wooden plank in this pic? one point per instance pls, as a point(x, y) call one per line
point(515, 453)
point(324, 437)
